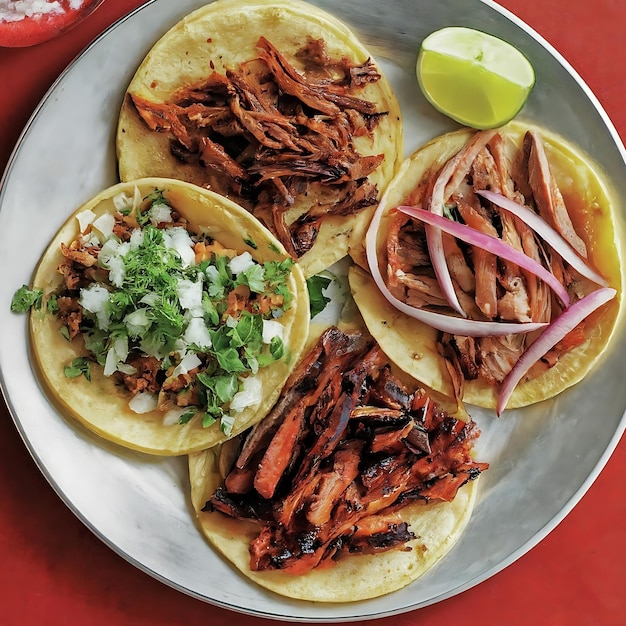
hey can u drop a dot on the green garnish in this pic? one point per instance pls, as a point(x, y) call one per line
point(25, 298)
point(147, 293)
point(317, 300)
point(80, 366)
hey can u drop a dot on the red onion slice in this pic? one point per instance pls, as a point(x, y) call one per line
point(444, 323)
point(434, 239)
point(490, 244)
point(546, 232)
point(450, 177)
point(566, 322)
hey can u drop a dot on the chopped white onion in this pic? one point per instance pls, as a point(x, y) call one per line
point(251, 393)
point(136, 238)
point(160, 213)
point(178, 239)
point(188, 362)
point(213, 274)
point(105, 224)
point(197, 333)
point(231, 321)
point(85, 218)
point(557, 330)
point(121, 201)
point(189, 293)
point(117, 271)
point(172, 416)
point(109, 249)
point(116, 356)
point(137, 322)
point(137, 198)
point(150, 299)
point(272, 329)
point(143, 402)
point(94, 298)
point(226, 423)
point(241, 263)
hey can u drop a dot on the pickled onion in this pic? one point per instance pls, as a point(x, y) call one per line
point(546, 232)
point(490, 244)
point(444, 323)
point(559, 328)
point(450, 176)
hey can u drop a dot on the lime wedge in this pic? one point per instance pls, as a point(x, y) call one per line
point(476, 79)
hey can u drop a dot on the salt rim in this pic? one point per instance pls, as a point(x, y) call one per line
point(13, 11)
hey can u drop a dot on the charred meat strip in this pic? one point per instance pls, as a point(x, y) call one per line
point(346, 448)
point(267, 133)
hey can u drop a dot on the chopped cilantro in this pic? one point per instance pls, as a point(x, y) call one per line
point(141, 310)
point(208, 420)
point(187, 415)
point(79, 366)
point(253, 277)
point(25, 298)
point(317, 300)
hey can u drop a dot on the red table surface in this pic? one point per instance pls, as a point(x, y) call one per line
point(53, 570)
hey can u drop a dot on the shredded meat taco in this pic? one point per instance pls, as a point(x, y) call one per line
point(276, 105)
point(355, 484)
point(491, 270)
point(164, 317)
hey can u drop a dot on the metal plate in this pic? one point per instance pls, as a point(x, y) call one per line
point(542, 458)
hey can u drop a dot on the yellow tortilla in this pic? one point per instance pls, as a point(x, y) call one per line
point(102, 406)
point(437, 527)
point(593, 209)
point(225, 33)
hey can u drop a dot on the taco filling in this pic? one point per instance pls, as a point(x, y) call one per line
point(267, 133)
point(486, 250)
point(301, 134)
point(179, 323)
point(343, 463)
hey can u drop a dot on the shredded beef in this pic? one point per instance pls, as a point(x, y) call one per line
point(269, 134)
point(345, 449)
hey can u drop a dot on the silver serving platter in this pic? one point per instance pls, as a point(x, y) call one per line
point(543, 458)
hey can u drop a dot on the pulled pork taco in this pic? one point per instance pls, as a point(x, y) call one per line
point(491, 270)
point(355, 484)
point(275, 104)
point(164, 317)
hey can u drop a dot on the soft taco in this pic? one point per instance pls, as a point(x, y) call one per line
point(275, 104)
point(165, 318)
point(356, 483)
point(491, 270)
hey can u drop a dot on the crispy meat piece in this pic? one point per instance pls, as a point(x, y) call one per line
point(346, 447)
point(70, 313)
point(146, 377)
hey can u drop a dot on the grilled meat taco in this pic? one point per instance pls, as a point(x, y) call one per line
point(167, 318)
point(353, 486)
point(275, 104)
point(493, 266)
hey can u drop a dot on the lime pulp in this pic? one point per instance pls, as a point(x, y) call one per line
point(473, 77)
